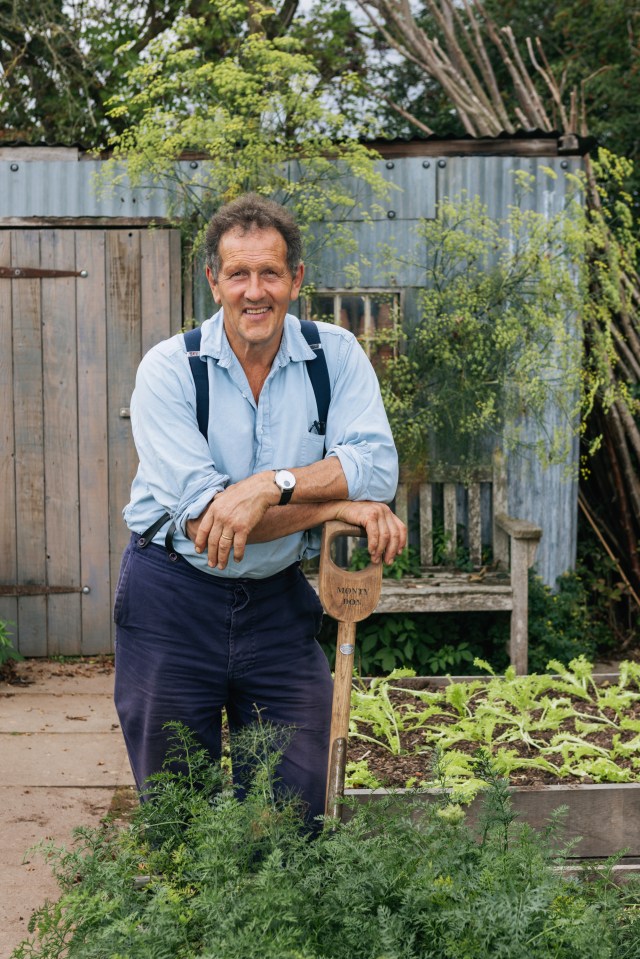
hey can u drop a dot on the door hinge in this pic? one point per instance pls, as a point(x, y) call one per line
point(35, 273)
point(34, 589)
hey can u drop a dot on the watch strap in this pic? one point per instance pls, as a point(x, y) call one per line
point(285, 496)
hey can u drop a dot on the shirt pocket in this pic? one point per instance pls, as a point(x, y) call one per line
point(312, 449)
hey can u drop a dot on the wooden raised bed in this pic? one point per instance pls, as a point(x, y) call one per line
point(606, 816)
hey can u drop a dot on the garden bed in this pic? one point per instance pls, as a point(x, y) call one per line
point(570, 739)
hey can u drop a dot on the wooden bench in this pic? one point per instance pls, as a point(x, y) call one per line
point(473, 514)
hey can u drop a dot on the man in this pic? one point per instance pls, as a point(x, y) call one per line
point(224, 616)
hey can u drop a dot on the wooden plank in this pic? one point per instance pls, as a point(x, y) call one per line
point(474, 524)
point(123, 355)
point(77, 222)
point(155, 287)
point(450, 520)
point(29, 430)
point(426, 524)
point(93, 452)
point(179, 284)
point(8, 559)
point(519, 637)
point(605, 816)
point(60, 442)
point(487, 146)
point(401, 506)
point(500, 505)
point(454, 594)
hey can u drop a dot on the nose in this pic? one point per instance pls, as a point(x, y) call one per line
point(254, 290)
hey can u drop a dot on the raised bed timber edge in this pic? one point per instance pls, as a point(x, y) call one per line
point(606, 816)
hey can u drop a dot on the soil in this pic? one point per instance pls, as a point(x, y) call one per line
point(415, 758)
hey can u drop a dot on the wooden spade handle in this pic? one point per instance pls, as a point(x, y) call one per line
point(349, 596)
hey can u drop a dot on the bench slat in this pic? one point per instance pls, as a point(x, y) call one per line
point(450, 520)
point(401, 504)
point(475, 524)
point(426, 525)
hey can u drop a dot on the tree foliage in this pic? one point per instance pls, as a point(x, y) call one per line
point(62, 62)
point(497, 343)
point(256, 117)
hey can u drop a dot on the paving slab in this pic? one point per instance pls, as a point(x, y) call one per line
point(62, 757)
point(64, 760)
point(41, 712)
point(31, 816)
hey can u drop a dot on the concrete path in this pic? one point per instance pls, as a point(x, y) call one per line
point(62, 758)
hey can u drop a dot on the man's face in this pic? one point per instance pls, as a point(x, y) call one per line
point(254, 287)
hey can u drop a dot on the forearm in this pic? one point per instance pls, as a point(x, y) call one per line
point(281, 521)
point(320, 482)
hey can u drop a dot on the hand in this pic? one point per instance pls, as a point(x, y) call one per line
point(230, 517)
point(386, 534)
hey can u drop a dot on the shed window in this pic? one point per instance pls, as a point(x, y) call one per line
point(367, 313)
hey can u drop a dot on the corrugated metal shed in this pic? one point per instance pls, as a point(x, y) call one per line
point(59, 184)
point(548, 496)
point(64, 185)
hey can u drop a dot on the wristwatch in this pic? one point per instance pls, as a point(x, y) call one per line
point(285, 481)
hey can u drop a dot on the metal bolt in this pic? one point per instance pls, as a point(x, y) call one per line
point(17, 272)
point(84, 273)
point(391, 215)
point(193, 165)
point(442, 164)
point(14, 167)
point(565, 164)
point(86, 589)
point(426, 164)
point(390, 164)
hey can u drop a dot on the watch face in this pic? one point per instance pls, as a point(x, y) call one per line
point(284, 479)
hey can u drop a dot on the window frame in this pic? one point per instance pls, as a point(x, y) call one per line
point(367, 337)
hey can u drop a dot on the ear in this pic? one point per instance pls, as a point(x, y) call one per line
point(213, 284)
point(297, 282)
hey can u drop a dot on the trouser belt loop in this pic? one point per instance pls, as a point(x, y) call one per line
point(145, 538)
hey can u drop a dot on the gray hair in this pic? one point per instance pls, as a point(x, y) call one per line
point(252, 211)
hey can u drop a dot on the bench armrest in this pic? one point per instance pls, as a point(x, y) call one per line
point(518, 528)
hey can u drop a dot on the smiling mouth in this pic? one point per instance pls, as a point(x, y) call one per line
point(256, 311)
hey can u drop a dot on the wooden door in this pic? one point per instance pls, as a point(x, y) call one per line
point(69, 348)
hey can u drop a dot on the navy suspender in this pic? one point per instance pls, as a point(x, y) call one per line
point(200, 377)
point(316, 368)
point(318, 373)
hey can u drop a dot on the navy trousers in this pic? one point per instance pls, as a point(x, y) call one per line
point(189, 644)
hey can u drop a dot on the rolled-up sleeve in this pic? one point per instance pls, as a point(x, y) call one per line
point(175, 459)
point(358, 430)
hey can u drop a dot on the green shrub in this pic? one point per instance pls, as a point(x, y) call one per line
point(559, 622)
point(224, 879)
point(7, 652)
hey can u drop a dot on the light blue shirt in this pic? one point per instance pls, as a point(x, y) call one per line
point(180, 472)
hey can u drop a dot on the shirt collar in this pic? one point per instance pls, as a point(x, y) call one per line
point(293, 346)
